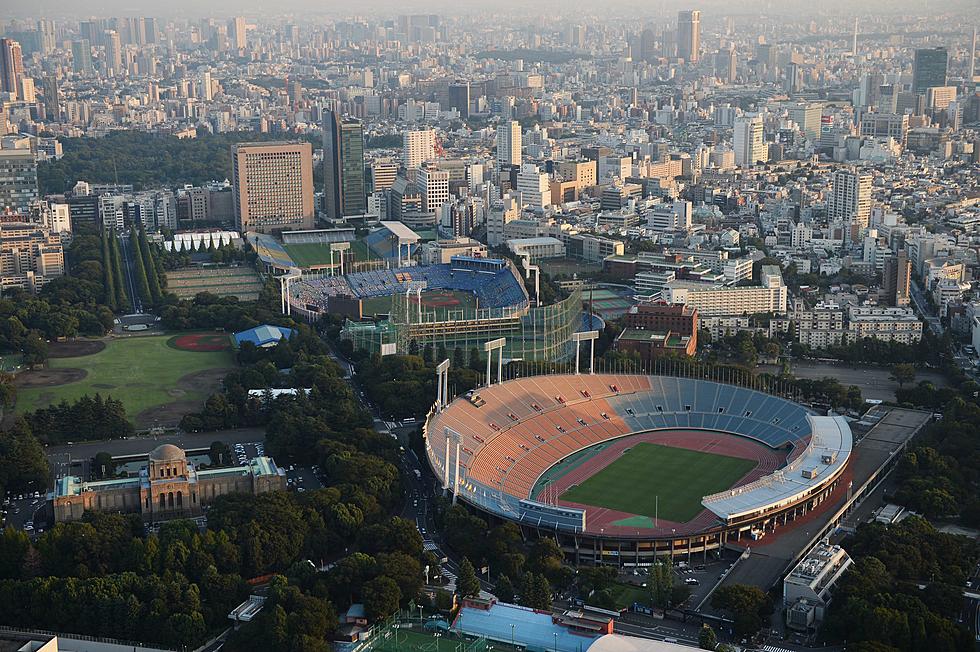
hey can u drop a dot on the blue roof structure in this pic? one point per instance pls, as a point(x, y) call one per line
point(264, 335)
point(533, 629)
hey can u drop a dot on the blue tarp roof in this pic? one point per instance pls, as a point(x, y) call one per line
point(263, 335)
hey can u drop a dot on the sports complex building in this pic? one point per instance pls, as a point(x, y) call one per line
point(463, 303)
point(623, 468)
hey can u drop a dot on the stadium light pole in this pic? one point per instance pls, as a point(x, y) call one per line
point(489, 347)
point(591, 337)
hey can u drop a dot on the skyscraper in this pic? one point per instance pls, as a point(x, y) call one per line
point(18, 179)
point(896, 279)
point(52, 107)
point(273, 186)
point(344, 186)
point(749, 146)
point(459, 97)
point(81, 56)
point(509, 143)
point(689, 35)
point(236, 32)
point(850, 201)
point(11, 66)
point(418, 146)
point(929, 68)
point(113, 53)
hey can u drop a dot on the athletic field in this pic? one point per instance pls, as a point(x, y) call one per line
point(680, 477)
point(155, 381)
point(443, 302)
point(310, 254)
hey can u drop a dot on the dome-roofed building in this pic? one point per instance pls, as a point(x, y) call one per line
point(169, 486)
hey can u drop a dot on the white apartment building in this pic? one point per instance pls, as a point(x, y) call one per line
point(434, 186)
point(749, 146)
point(507, 210)
point(418, 147)
point(850, 201)
point(900, 325)
point(533, 186)
point(712, 299)
point(509, 143)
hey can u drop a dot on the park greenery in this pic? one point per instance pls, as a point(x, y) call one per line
point(904, 591)
point(144, 160)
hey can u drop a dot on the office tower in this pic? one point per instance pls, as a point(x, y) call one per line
point(929, 68)
point(236, 32)
point(748, 143)
point(807, 118)
point(434, 186)
point(509, 143)
point(113, 53)
point(18, 179)
point(896, 279)
point(854, 41)
point(850, 201)
point(206, 86)
point(459, 97)
point(533, 186)
point(52, 107)
point(725, 64)
point(11, 66)
point(81, 56)
point(344, 186)
point(273, 186)
point(973, 57)
point(418, 146)
point(46, 36)
point(150, 30)
point(689, 35)
point(383, 174)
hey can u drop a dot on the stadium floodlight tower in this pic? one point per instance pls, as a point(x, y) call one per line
point(442, 385)
point(452, 437)
point(284, 280)
point(528, 268)
point(339, 247)
point(489, 347)
point(578, 338)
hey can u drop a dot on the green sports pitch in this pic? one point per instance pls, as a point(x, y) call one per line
point(648, 474)
point(310, 254)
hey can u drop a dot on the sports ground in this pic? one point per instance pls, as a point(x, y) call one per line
point(656, 481)
point(309, 254)
point(156, 381)
point(442, 302)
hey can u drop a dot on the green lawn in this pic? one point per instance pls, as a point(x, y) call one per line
point(678, 476)
point(142, 372)
point(308, 254)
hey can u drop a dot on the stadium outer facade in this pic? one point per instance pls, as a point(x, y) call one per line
point(538, 333)
point(492, 447)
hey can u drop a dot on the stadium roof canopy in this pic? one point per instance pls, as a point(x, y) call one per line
point(619, 643)
point(263, 336)
point(402, 232)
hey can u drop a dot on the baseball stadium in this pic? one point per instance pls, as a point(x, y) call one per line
point(463, 303)
point(622, 468)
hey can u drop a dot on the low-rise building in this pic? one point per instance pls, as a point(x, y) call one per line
point(537, 248)
point(807, 588)
point(900, 325)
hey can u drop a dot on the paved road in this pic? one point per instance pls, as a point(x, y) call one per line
point(127, 262)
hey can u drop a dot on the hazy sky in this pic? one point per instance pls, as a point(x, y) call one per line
point(197, 8)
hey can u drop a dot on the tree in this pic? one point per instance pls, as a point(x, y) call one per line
point(748, 606)
point(142, 283)
point(661, 580)
point(35, 349)
point(903, 373)
point(707, 640)
point(467, 584)
point(219, 454)
point(103, 465)
point(504, 589)
point(381, 597)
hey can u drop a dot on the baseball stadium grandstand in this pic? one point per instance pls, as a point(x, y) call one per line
point(621, 468)
point(463, 303)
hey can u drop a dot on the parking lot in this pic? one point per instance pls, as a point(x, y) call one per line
point(26, 512)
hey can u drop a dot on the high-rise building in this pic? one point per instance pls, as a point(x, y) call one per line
point(749, 146)
point(929, 68)
point(383, 174)
point(81, 56)
point(509, 143)
point(418, 146)
point(273, 186)
point(896, 279)
point(113, 54)
point(150, 30)
point(459, 97)
point(52, 106)
point(689, 35)
point(533, 186)
point(18, 179)
point(850, 201)
point(46, 35)
point(344, 186)
point(807, 117)
point(11, 66)
point(434, 186)
point(236, 33)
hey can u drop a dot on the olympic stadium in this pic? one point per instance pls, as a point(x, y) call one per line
point(463, 303)
point(623, 468)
